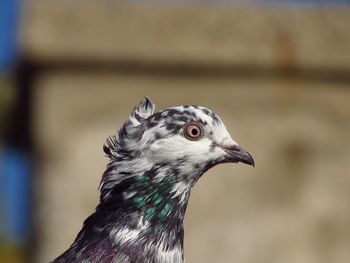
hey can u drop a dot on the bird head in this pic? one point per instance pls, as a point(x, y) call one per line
point(187, 140)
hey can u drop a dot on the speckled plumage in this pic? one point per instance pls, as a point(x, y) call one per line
point(146, 186)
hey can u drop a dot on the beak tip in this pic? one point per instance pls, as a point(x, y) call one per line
point(252, 162)
point(248, 159)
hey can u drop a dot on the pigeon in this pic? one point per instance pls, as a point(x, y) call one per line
point(155, 160)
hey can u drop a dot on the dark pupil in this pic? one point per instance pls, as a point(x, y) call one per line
point(194, 131)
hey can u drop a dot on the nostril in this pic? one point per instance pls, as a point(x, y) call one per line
point(229, 144)
point(232, 147)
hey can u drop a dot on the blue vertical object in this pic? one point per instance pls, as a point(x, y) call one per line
point(15, 195)
point(15, 165)
point(9, 18)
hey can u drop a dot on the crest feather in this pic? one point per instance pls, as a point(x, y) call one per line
point(118, 146)
point(142, 111)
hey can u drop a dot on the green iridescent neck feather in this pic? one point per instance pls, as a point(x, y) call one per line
point(155, 196)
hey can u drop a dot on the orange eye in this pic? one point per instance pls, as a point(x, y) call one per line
point(193, 132)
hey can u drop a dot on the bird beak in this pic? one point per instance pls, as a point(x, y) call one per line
point(236, 153)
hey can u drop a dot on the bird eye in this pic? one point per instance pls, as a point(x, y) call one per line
point(193, 132)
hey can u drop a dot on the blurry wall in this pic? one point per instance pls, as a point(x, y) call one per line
point(277, 75)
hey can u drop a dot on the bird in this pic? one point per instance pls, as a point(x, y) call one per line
point(154, 161)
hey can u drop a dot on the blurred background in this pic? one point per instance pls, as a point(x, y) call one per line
point(277, 72)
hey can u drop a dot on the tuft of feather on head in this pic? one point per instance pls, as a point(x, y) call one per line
point(120, 146)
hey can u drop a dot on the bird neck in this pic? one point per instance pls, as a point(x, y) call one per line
point(146, 206)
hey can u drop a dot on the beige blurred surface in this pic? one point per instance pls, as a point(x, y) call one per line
point(293, 207)
point(309, 36)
